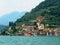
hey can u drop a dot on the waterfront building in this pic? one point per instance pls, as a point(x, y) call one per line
point(28, 28)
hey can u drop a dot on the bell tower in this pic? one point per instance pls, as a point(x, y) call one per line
point(39, 20)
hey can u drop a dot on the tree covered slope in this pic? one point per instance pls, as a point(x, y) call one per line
point(49, 9)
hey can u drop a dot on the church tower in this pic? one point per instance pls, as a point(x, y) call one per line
point(38, 21)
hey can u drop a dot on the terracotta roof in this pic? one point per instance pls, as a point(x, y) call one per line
point(36, 31)
point(40, 17)
point(28, 26)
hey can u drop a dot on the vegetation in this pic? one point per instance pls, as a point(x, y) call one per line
point(49, 9)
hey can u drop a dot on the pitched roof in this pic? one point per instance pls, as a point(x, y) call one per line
point(28, 26)
point(39, 18)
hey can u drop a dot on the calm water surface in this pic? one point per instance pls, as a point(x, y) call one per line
point(24, 40)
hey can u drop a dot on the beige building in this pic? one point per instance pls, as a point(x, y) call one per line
point(41, 26)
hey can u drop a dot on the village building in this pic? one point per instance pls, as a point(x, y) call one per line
point(35, 32)
point(37, 29)
point(27, 34)
point(41, 26)
point(57, 32)
point(19, 33)
point(28, 28)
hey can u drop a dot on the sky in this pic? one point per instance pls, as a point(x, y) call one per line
point(7, 6)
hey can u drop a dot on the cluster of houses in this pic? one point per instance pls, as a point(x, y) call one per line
point(38, 29)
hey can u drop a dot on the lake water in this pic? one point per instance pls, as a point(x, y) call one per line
point(32, 40)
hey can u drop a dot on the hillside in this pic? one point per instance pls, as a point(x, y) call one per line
point(13, 16)
point(49, 9)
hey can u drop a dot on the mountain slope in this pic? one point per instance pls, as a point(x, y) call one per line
point(2, 28)
point(49, 9)
point(4, 20)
